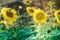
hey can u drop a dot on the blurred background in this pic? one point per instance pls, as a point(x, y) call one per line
point(39, 3)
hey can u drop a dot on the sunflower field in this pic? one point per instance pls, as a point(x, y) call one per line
point(29, 19)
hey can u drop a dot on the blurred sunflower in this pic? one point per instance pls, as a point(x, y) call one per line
point(5, 23)
point(9, 15)
point(57, 15)
point(30, 10)
point(54, 25)
point(40, 16)
point(27, 2)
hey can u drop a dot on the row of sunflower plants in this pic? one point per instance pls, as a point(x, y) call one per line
point(34, 24)
point(14, 26)
point(46, 23)
point(46, 26)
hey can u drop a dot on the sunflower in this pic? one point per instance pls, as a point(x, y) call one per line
point(27, 2)
point(54, 25)
point(40, 16)
point(5, 23)
point(30, 10)
point(9, 15)
point(57, 15)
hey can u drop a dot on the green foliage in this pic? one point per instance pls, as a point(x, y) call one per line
point(15, 33)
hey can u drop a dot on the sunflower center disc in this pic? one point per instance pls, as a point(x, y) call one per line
point(27, 1)
point(31, 10)
point(9, 14)
point(59, 15)
point(40, 16)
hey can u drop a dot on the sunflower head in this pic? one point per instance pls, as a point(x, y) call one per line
point(40, 16)
point(27, 2)
point(30, 10)
point(9, 15)
point(57, 15)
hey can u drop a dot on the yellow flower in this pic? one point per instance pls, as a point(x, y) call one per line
point(40, 16)
point(5, 23)
point(9, 15)
point(57, 15)
point(30, 10)
point(54, 25)
point(27, 2)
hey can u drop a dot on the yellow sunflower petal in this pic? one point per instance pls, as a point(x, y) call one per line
point(5, 23)
point(57, 15)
